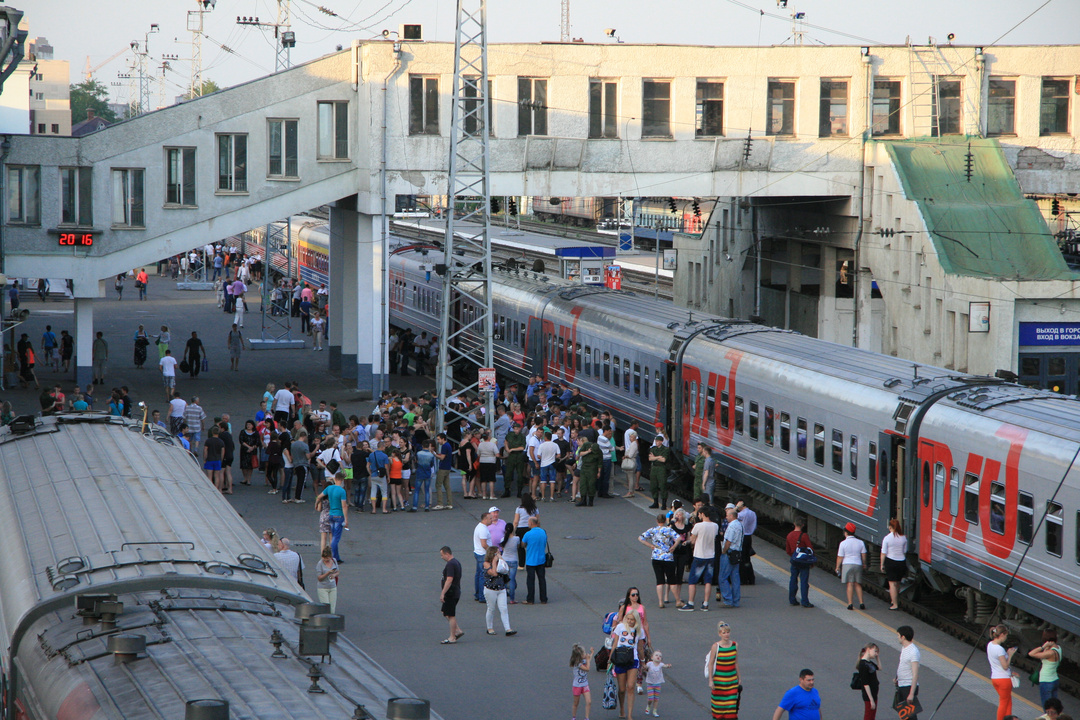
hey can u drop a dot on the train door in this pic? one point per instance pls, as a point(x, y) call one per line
point(923, 492)
point(890, 467)
point(535, 352)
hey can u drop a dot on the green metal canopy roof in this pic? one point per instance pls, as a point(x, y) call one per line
point(983, 227)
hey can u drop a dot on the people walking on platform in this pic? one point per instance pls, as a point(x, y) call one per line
point(579, 684)
point(630, 462)
point(801, 702)
point(535, 542)
point(327, 573)
point(450, 593)
point(163, 339)
point(894, 560)
point(867, 680)
point(142, 341)
point(627, 648)
point(683, 553)
point(850, 562)
point(800, 570)
point(664, 542)
point(193, 354)
point(1049, 656)
point(496, 577)
point(723, 665)
point(140, 283)
point(748, 518)
point(907, 674)
point(654, 681)
point(658, 472)
point(235, 345)
point(1001, 674)
point(119, 286)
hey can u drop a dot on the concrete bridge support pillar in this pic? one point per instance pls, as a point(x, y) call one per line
point(84, 340)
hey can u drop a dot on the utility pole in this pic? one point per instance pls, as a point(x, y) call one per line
point(195, 27)
point(465, 338)
point(564, 25)
point(284, 37)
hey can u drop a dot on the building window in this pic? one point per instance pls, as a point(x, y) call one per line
point(1054, 109)
point(333, 130)
point(24, 194)
point(1001, 109)
point(282, 143)
point(886, 107)
point(833, 120)
point(603, 104)
point(127, 194)
point(709, 109)
point(423, 105)
point(41, 129)
point(532, 106)
point(781, 120)
point(656, 108)
point(75, 196)
point(180, 176)
point(232, 163)
point(947, 99)
point(56, 128)
point(472, 127)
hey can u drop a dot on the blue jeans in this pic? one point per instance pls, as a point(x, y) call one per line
point(605, 475)
point(421, 486)
point(701, 569)
point(337, 522)
point(478, 583)
point(511, 586)
point(800, 578)
point(360, 487)
point(547, 473)
point(286, 484)
point(729, 582)
point(1047, 690)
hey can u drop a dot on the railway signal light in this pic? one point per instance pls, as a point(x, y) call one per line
point(512, 206)
point(494, 206)
point(697, 208)
point(673, 206)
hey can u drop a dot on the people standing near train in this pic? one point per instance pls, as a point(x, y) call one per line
point(1053, 710)
point(589, 459)
point(336, 500)
point(630, 461)
point(522, 513)
point(450, 593)
point(729, 584)
point(800, 571)
point(487, 455)
point(748, 518)
point(658, 472)
point(699, 471)
point(801, 702)
point(1001, 675)
point(708, 477)
point(664, 542)
point(703, 538)
point(867, 667)
point(723, 665)
point(850, 561)
point(894, 560)
point(907, 674)
point(1049, 656)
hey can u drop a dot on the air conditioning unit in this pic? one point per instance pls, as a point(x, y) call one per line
point(413, 33)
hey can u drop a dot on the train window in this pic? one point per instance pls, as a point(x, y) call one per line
point(577, 356)
point(615, 371)
point(607, 367)
point(925, 484)
point(724, 409)
point(754, 418)
point(646, 384)
point(871, 464)
point(1054, 528)
point(521, 335)
point(800, 438)
point(637, 378)
point(971, 498)
point(837, 451)
point(1078, 538)
point(596, 362)
point(997, 507)
point(738, 414)
point(656, 385)
point(710, 402)
point(1025, 518)
point(853, 457)
point(588, 360)
point(562, 352)
point(939, 486)
point(785, 432)
point(954, 491)
point(626, 375)
point(693, 398)
point(819, 444)
point(770, 421)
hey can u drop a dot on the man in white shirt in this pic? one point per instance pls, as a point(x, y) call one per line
point(852, 556)
point(547, 452)
point(748, 518)
point(177, 406)
point(291, 561)
point(322, 414)
point(703, 538)
point(907, 672)
point(532, 446)
point(284, 400)
point(481, 538)
point(607, 446)
point(168, 373)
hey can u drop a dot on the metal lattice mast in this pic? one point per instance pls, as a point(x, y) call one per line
point(564, 24)
point(285, 38)
point(465, 335)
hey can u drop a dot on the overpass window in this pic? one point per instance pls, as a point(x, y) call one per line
point(24, 194)
point(1054, 108)
point(1025, 518)
point(1054, 528)
point(947, 106)
point(180, 176)
point(709, 109)
point(532, 106)
point(470, 119)
point(333, 130)
point(75, 196)
point(781, 112)
point(1001, 107)
point(886, 107)
point(833, 120)
point(232, 163)
point(603, 108)
point(656, 108)
point(127, 197)
point(282, 142)
point(423, 105)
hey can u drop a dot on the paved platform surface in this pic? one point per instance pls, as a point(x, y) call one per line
point(390, 580)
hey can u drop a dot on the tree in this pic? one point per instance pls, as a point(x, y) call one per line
point(208, 86)
point(90, 95)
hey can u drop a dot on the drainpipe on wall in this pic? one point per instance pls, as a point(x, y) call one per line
point(5, 150)
point(384, 220)
point(856, 276)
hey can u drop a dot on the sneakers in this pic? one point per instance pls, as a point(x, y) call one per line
point(862, 606)
point(437, 507)
point(686, 607)
point(704, 607)
point(655, 713)
point(640, 690)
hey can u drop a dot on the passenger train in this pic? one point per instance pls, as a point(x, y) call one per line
point(310, 240)
point(977, 469)
point(132, 589)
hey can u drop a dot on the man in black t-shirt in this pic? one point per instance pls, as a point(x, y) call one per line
point(213, 454)
point(451, 593)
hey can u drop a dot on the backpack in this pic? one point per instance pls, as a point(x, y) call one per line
point(609, 622)
point(855, 684)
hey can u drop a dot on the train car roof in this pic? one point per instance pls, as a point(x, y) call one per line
point(93, 505)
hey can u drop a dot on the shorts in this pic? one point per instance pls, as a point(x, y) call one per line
point(664, 570)
point(212, 465)
point(169, 380)
point(701, 569)
point(547, 474)
point(324, 521)
point(449, 606)
point(196, 437)
point(579, 690)
point(622, 670)
point(851, 573)
point(895, 570)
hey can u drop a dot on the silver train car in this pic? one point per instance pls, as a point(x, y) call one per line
point(977, 470)
point(131, 588)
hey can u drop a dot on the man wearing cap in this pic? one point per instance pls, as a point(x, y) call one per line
point(497, 528)
point(481, 540)
point(514, 454)
point(851, 559)
point(658, 471)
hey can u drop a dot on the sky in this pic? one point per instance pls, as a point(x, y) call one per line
point(78, 29)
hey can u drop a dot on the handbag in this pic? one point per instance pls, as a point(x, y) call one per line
point(255, 462)
point(549, 559)
point(494, 582)
point(628, 464)
point(1033, 678)
point(611, 693)
point(205, 365)
point(904, 708)
point(804, 555)
point(622, 656)
point(601, 659)
point(185, 366)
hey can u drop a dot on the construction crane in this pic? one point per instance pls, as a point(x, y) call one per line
point(89, 71)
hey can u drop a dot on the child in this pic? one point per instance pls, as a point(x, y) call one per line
point(654, 678)
point(579, 661)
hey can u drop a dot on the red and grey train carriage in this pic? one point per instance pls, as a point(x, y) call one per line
point(969, 464)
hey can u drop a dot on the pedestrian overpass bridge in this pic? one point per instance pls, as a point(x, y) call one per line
point(358, 127)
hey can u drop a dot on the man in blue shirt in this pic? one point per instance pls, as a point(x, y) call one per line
point(425, 462)
point(801, 702)
point(535, 543)
point(334, 497)
point(445, 454)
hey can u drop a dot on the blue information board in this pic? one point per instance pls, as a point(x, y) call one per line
point(1049, 333)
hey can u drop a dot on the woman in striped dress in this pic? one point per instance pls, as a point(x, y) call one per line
point(725, 675)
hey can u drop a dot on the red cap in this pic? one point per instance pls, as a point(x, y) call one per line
point(659, 426)
point(850, 527)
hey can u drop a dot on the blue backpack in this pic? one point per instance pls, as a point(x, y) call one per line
point(609, 622)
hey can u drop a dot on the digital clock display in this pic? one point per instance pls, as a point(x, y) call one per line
point(76, 239)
